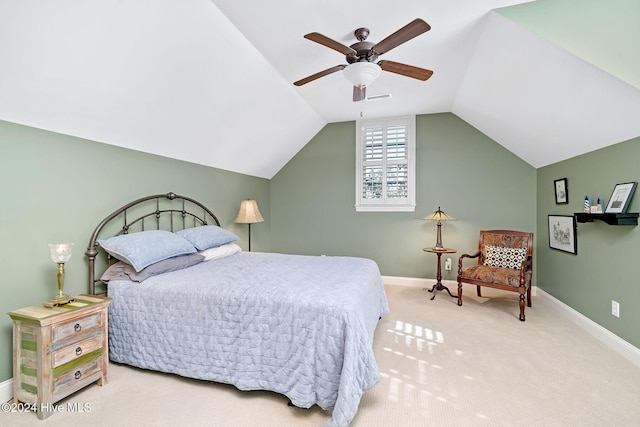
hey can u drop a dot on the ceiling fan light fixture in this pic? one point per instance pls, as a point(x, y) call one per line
point(362, 74)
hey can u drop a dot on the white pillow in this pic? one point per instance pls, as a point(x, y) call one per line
point(220, 251)
point(499, 256)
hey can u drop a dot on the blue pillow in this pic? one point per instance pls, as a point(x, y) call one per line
point(207, 236)
point(146, 247)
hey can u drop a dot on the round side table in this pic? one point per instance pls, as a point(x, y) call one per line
point(439, 286)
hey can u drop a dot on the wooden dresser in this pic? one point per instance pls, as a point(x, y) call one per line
point(57, 351)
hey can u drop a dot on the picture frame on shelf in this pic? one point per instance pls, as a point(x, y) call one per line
point(621, 197)
point(562, 233)
point(561, 190)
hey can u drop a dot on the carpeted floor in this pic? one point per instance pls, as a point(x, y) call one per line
point(441, 365)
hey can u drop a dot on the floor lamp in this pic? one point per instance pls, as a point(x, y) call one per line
point(249, 214)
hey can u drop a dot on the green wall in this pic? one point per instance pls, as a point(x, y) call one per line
point(58, 188)
point(458, 168)
point(604, 268)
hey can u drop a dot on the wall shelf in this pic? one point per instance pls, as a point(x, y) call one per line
point(609, 218)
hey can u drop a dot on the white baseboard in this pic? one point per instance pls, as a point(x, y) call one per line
point(625, 349)
point(428, 283)
point(6, 390)
point(408, 281)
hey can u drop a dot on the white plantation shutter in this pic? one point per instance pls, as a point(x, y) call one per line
point(385, 163)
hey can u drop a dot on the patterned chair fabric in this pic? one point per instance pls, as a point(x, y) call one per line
point(505, 259)
point(497, 275)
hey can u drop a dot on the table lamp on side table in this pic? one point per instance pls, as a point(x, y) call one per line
point(60, 253)
point(439, 216)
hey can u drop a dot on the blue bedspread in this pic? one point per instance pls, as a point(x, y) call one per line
point(298, 325)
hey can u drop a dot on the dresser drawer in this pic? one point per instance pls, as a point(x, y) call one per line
point(70, 332)
point(73, 376)
point(72, 352)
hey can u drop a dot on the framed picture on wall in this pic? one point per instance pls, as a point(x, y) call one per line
point(562, 191)
point(621, 197)
point(562, 233)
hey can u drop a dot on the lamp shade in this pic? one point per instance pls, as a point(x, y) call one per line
point(362, 74)
point(439, 215)
point(60, 252)
point(249, 213)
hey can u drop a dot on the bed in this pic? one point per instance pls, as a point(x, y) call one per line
point(297, 325)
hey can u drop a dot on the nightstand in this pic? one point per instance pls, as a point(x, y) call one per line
point(57, 351)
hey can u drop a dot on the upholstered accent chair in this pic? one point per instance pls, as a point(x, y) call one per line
point(505, 260)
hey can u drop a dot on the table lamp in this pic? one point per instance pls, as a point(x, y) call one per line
point(439, 216)
point(60, 254)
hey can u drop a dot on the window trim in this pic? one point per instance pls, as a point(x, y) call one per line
point(387, 205)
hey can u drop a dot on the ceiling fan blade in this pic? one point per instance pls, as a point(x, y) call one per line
point(406, 70)
point(318, 75)
point(359, 93)
point(330, 43)
point(409, 31)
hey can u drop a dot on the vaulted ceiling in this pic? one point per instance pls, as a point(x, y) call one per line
point(210, 81)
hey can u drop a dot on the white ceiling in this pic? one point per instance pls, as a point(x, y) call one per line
point(210, 81)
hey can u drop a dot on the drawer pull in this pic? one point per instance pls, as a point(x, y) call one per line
point(77, 375)
point(78, 351)
point(77, 327)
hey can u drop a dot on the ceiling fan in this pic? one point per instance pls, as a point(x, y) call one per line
point(361, 68)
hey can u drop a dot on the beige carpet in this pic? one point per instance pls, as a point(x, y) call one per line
point(441, 365)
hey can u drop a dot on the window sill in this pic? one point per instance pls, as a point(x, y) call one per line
point(386, 208)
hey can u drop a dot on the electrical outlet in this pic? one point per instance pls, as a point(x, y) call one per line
point(615, 308)
point(447, 264)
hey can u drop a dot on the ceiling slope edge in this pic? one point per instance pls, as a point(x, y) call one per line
point(541, 102)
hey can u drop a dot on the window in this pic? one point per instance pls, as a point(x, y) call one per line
point(385, 165)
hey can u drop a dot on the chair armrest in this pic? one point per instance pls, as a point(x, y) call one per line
point(525, 266)
point(476, 255)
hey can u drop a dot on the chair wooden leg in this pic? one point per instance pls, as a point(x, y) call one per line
point(478, 290)
point(459, 293)
point(521, 302)
point(529, 296)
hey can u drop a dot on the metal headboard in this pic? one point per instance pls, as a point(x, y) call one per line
point(185, 218)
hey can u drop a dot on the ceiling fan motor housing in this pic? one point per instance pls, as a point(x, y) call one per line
point(362, 48)
point(363, 53)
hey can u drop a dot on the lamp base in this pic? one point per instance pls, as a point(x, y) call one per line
point(439, 246)
point(58, 300)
